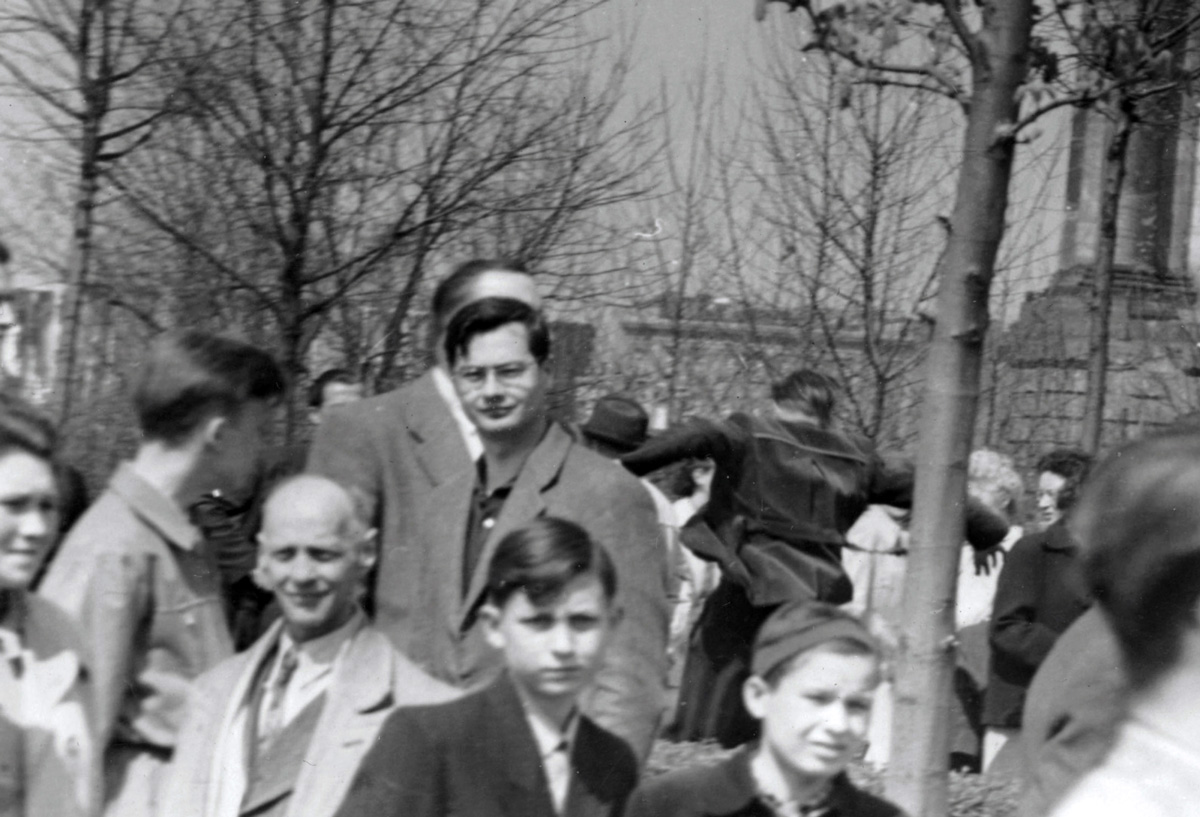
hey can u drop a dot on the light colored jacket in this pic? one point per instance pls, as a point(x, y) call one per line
point(369, 682)
point(62, 771)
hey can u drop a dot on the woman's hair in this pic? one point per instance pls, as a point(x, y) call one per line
point(991, 470)
point(25, 428)
point(1073, 465)
point(542, 558)
point(1138, 524)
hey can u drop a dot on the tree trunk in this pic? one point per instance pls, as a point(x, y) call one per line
point(83, 246)
point(1100, 304)
point(916, 777)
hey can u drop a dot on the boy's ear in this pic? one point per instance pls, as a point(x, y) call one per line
point(616, 614)
point(754, 695)
point(214, 429)
point(489, 614)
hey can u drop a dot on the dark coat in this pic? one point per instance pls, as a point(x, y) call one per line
point(1039, 595)
point(783, 497)
point(727, 789)
point(477, 757)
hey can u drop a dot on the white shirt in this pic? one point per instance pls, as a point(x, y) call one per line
point(554, 743)
point(470, 434)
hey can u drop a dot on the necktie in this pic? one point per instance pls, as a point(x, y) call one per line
point(558, 774)
point(272, 717)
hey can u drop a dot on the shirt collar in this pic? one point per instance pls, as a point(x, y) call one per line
point(549, 736)
point(445, 390)
point(155, 508)
point(324, 650)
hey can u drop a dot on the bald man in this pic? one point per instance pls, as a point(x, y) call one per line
point(281, 729)
point(393, 450)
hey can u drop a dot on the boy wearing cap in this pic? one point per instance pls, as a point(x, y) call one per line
point(519, 746)
point(814, 672)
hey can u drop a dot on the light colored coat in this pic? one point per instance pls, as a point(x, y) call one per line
point(61, 760)
point(369, 682)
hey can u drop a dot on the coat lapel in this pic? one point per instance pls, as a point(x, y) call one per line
point(437, 441)
point(525, 503)
point(526, 792)
point(360, 693)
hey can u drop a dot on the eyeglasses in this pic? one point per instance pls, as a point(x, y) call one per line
point(506, 373)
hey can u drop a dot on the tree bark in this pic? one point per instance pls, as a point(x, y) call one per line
point(1100, 303)
point(916, 777)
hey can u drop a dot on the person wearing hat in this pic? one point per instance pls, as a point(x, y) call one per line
point(814, 670)
point(618, 426)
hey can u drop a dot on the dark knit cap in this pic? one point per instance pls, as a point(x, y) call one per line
point(799, 626)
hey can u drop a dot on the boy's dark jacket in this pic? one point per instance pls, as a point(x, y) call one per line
point(726, 789)
point(477, 757)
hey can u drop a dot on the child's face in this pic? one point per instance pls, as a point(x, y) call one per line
point(814, 721)
point(553, 650)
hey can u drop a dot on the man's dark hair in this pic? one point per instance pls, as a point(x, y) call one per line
point(191, 376)
point(808, 391)
point(542, 558)
point(1138, 522)
point(486, 314)
point(1073, 465)
point(25, 428)
point(316, 392)
point(452, 291)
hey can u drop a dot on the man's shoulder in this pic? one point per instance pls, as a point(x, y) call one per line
point(584, 467)
point(600, 749)
point(383, 405)
point(705, 788)
point(109, 525)
point(411, 686)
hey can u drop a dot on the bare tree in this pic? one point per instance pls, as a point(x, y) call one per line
point(88, 65)
point(333, 152)
point(980, 62)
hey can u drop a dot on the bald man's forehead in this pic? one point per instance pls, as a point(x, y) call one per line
point(312, 506)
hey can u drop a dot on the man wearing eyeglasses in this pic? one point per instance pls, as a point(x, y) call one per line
point(498, 350)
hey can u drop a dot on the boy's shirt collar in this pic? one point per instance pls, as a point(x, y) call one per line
point(548, 735)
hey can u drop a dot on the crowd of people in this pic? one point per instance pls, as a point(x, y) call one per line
point(454, 603)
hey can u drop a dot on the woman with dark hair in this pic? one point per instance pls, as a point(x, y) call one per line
point(47, 761)
point(1039, 595)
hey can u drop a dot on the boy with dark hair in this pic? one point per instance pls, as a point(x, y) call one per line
point(138, 576)
point(519, 745)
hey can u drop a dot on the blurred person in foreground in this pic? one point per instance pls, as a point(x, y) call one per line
point(138, 576)
point(48, 760)
point(1140, 519)
point(281, 728)
point(814, 672)
point(788, 486)
point(1039, 594)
